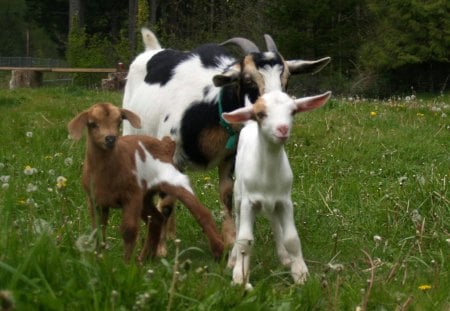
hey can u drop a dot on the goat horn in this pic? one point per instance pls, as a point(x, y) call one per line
point(246, 45)
point(270, 44)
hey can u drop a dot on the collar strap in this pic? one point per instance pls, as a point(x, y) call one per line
point(232, 140)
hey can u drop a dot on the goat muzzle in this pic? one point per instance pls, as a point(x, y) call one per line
point(110, 141)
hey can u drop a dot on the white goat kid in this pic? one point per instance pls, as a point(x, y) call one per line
point(264, 179)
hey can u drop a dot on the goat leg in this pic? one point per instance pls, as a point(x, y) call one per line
point(201, 214)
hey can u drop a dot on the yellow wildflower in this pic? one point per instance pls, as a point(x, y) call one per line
point(424, 287)
point(419, 114)
point(61, 182)
point(373, 113)
point(206, 178)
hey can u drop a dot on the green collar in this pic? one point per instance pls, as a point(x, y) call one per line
point(232, 140)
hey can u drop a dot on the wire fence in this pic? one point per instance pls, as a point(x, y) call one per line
point(31, 62)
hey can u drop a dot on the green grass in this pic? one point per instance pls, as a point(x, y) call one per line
point(372, 209)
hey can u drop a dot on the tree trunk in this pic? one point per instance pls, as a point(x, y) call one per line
point(132, 16)
point(76, 13)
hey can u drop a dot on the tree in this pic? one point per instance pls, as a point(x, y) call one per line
point(410, 40)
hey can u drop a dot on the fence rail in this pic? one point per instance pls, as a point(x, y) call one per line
point(31, 62)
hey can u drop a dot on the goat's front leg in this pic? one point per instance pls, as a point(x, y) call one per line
point(226, 168)
point(283, 254)
point(130, 225)
point(94, 212)
point(291, 241)
point(232, 258)
point(244, 244)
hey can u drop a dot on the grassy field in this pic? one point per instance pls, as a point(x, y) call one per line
point(372, 208)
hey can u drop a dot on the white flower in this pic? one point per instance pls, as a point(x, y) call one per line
point(4, 178)
point(407, 98)
point(40, 226)
point(28, 170)
point(29, 134)
point(5, 186)
point(402, 180)
point(377, 238)
point(31, 188)
point(448, 241)
point(51, 172)
point(68, 161)
point(86, 243)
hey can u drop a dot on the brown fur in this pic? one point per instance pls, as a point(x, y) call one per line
point(109, 181)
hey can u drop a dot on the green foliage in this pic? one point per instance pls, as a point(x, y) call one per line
point(370, 176)
point(86, 51)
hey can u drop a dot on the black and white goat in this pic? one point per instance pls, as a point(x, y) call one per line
point(264, 179)
point(182, 94)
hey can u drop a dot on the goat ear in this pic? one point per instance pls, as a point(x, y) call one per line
point(77, 125)
point(298, 66)
point(133, 118)
point(311, 103)
point(230, 76)
point(239, 115)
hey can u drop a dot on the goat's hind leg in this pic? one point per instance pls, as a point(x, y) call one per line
point(201, 214)
point(283, 254)
point(166, 206)
point(153, 220)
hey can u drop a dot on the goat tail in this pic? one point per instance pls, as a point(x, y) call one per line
point(150, 40)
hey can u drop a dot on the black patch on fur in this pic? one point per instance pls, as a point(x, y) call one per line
point(201, 116)
point(166, 118)
point(261, 61)
point(206, 90)
point(160, 68)
point(173, 131)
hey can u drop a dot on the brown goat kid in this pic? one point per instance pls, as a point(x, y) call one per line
point(127, 172)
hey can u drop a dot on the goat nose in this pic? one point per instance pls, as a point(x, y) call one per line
point(110, 140)
point(283, 129)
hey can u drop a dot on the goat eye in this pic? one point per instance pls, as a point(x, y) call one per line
point(92, 125)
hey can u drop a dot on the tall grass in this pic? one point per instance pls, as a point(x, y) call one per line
point(372, 208)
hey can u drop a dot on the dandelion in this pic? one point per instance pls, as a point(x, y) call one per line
point(448, 241)
point(4, 178)
point(424, 287)
point(68, 161)
point(373, 113)
point(402, 180)
point(41, 227)
point(29, 134)
point(408, 98)
point(51, 172)
point(377, 238)
point(31, 187)
point(61, 182)
point(86, 243)
point(48, 157)
point(28, 170)
point(419, 114)
point(5, 186)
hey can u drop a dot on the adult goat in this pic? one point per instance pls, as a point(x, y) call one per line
point(183, 94)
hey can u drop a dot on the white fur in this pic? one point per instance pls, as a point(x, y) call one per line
point(264, 181)
point(154, 172)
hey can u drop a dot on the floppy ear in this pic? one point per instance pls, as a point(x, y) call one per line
point(77, 125)
point(133, 118)
point(311, 103)
point(239, 115)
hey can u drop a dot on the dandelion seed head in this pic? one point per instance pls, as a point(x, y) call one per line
point(377, 238)
point(68, 161)
point(86, 243)
point(29, 134)
point(31, 187)
point(28, 170)
point(5, 178)
point(5, 186)
point(41, 227)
